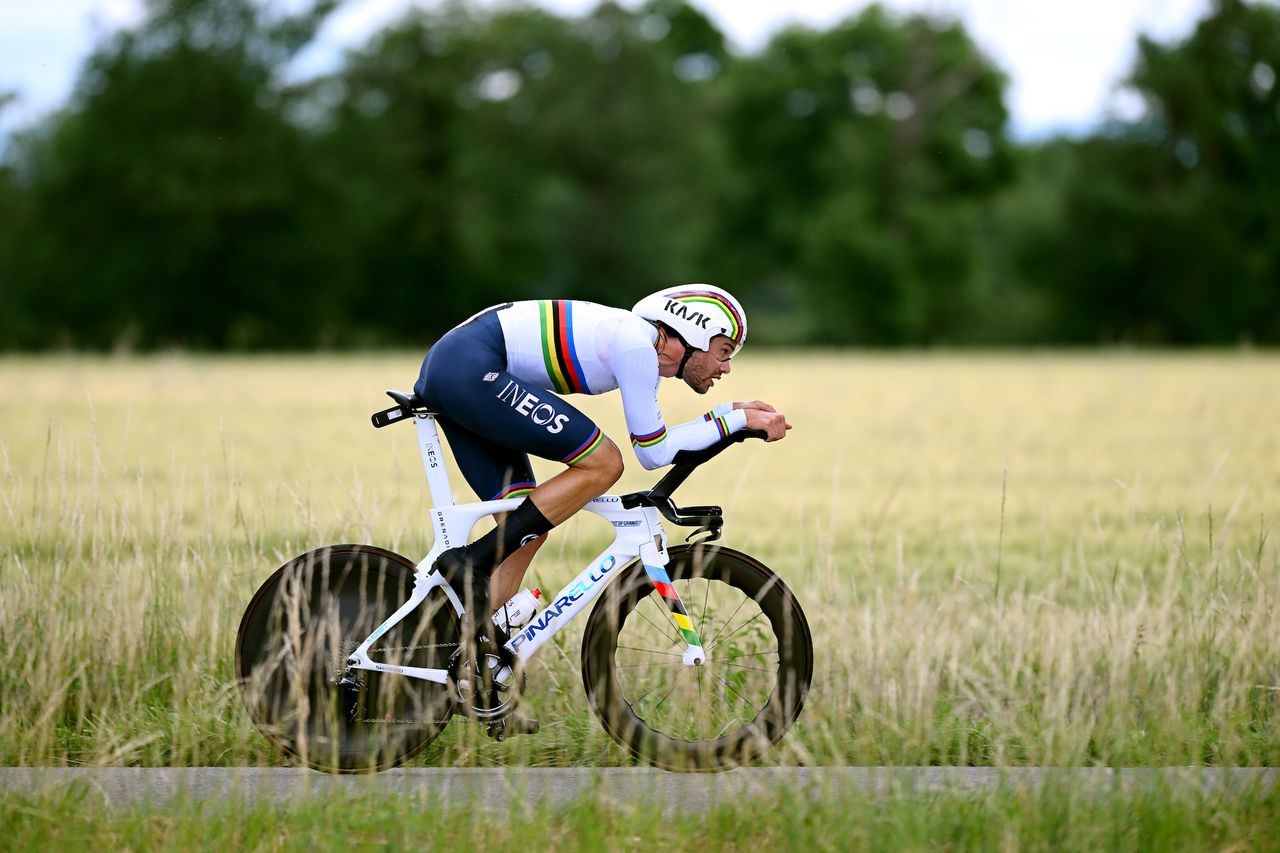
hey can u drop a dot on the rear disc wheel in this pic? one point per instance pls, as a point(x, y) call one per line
point(292, 647)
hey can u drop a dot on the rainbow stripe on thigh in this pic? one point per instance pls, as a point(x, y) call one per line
point(515, 490)
point(671, 598)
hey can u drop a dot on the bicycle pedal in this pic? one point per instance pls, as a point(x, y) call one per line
point(513, 724)
point(500, 730)
point(518, 725)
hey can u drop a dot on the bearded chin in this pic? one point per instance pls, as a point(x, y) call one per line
point(689, 380)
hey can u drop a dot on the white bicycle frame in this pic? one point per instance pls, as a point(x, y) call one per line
point(637, 532)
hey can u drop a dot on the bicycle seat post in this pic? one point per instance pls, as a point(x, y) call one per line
point(433, 460)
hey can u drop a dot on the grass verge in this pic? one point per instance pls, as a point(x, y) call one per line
point(1058, 817)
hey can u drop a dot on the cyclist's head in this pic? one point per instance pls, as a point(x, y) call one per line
point(696, 313)
point(707, 321)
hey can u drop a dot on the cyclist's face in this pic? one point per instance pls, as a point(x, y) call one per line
point(705, 367)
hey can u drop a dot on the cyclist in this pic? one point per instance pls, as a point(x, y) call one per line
point(496, 381)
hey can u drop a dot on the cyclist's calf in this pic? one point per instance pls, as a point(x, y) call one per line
point(506, 579)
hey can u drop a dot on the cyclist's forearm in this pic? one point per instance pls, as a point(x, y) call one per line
point(692, 435)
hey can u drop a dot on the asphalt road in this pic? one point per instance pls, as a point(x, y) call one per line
point(498, 788)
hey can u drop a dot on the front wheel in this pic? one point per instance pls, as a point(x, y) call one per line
point(720, 714)
point(291, 653)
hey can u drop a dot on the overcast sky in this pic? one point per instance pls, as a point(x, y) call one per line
point(1064, 59)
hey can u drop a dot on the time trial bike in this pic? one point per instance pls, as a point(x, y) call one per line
point(695, 657)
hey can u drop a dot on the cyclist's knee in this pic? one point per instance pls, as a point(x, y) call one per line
point(605, 464)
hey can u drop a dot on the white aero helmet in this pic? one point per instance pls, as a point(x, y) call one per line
point(697, 312)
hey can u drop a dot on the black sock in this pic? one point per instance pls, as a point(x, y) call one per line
point(521, 524)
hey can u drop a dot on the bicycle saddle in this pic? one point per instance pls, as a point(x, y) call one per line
point(412, 402)
point(406, 406)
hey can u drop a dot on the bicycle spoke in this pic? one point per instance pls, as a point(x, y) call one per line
point(705, 595)
point(699, 677)
point(691, 720)
point(646, 663)
point(664, 698)
point(642, 696)
point(725, 698)
point(734, 692)
point(675, 641)
point(653, 651)
point(741, 628)
point(711, 643)
point(752, 668)
point(749, 655)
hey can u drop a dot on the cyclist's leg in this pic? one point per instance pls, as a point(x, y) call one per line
point(569, 491)
point(465, 378)
point(510, 573)
point(558, 499)
point(495, 473)
point(503, 412)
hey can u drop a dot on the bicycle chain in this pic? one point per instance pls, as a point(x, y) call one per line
point(414, 648)
point(457, 718)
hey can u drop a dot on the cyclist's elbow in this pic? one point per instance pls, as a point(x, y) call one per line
point(652, 458)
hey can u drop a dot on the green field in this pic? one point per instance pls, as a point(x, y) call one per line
point(1006, 559)
point(1167, 817)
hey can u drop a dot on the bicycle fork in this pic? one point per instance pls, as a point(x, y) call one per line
point(654, 566)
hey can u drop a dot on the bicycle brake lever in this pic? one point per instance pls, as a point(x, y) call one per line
point(713, 533)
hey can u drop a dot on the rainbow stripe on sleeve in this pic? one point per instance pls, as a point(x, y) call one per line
point(651, 439)
point(719, 422)
point(559, 353)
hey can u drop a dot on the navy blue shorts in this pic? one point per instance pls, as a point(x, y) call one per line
point(494, 420)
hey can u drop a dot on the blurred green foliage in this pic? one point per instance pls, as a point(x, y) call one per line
point(853, 185)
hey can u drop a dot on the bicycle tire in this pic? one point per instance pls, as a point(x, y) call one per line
point(293, 642)
point(690, 736)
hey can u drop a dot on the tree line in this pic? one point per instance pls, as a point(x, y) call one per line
point(853, 185)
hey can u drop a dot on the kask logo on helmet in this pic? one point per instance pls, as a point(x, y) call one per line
point(697, 312)
point(685, 312)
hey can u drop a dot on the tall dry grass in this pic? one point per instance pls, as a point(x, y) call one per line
point(1005, 558)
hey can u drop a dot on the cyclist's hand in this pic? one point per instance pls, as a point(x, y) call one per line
point(755, 404)
point(773, 423)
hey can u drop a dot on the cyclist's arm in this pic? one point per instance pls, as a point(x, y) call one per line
point(656, 444)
